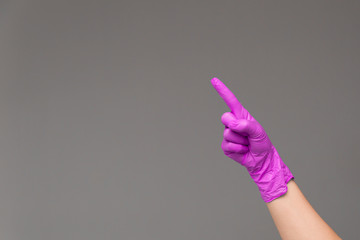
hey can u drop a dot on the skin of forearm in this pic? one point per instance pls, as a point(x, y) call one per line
point(296, 219)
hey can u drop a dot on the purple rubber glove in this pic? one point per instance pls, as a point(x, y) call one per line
point(246, 142)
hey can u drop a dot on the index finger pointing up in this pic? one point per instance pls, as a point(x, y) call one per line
point(230, 99)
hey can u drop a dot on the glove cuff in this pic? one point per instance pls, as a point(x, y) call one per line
point(273, 177)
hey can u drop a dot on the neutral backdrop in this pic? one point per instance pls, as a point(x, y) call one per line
point(110, 128)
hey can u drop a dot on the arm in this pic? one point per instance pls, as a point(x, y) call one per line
point(296, 219)
point(246, 142)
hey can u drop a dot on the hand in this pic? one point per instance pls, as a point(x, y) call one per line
point(246, 142)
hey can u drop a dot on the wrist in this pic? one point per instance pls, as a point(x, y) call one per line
point(272, 177)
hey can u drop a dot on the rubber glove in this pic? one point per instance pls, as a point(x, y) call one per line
point(246, 142)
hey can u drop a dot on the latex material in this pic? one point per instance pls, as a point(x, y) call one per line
point(246, 142)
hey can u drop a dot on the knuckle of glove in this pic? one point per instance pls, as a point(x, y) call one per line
point(239, 124)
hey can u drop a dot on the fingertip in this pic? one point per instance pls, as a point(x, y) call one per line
point(229, 147)
point(229, 98)
point(227, 118)
point(215, 82)
point(226, 132)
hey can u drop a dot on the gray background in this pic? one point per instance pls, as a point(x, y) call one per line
point(110, 128)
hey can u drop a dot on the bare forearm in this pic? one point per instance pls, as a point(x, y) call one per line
point(295, 218)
